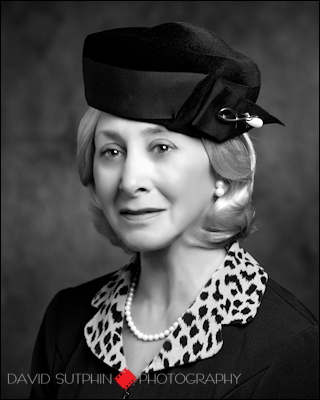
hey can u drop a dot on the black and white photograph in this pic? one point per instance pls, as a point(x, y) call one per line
point(160, 200)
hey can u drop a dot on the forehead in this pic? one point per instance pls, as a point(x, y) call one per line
point(111, 124)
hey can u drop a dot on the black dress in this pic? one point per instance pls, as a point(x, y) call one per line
point(244, 336)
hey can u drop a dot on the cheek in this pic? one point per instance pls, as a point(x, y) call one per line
point(106, 184)
point(190, 185)
point(198, 190)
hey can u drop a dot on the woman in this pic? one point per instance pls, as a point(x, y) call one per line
point(165, 153)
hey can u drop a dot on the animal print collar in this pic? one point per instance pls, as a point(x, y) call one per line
point(231, 296)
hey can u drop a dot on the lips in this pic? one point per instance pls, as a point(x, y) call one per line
point(140, 216)
point(141, 211)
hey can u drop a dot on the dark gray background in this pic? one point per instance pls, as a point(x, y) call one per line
point(48, 242)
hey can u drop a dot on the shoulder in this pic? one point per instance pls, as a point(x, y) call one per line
point(277, 352)
point(283, 326)
point(66, 316)
point(63, 312)
point(283, 309)
point(281, 317)
point(81, 294)
point(281, 320)
point(286, 323)
point(289, 336)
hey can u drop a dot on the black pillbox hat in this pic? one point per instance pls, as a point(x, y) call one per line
point(178, 75)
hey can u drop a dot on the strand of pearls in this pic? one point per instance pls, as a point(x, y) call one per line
point(131, 324)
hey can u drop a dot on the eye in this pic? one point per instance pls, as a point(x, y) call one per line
point(162, 148)
point(112, 153)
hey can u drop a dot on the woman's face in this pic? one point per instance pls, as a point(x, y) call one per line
point(152, 184)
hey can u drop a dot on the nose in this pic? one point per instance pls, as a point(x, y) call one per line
point(135, 178)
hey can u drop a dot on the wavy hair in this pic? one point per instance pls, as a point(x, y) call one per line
point(230, 217)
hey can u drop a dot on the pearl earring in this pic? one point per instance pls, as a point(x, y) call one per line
point(220, 191)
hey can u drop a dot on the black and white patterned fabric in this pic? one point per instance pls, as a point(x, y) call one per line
point(231, 296)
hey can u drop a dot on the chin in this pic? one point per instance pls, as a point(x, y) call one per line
point(146, 243)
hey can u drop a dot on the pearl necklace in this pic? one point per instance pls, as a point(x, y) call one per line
point(131, 324)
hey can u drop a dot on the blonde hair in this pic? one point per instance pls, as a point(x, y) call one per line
point(229, 218)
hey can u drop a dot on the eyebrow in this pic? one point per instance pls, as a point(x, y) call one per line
point(147, 131)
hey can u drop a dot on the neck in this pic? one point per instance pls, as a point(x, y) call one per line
point(172, 277)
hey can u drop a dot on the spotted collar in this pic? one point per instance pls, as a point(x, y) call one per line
point(231, 296)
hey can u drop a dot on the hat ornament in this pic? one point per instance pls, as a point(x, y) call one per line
point(227, 114)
